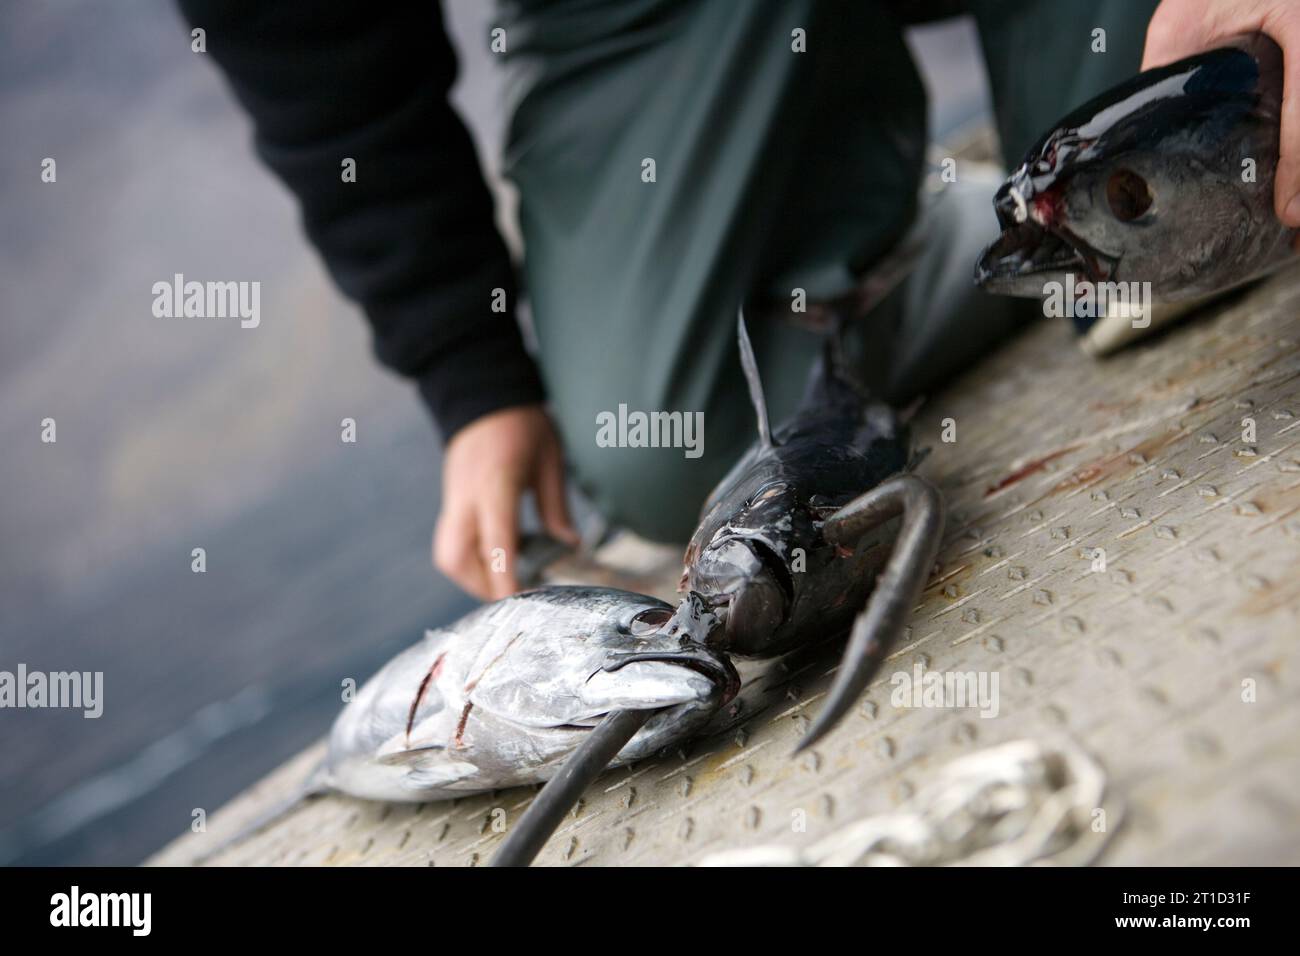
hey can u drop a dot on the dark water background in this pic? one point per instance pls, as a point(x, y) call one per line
point(176, 434)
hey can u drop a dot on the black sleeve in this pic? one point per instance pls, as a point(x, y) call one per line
point(413, 239)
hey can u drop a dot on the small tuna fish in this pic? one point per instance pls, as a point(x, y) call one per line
point(504, 695)
point(1166, 179)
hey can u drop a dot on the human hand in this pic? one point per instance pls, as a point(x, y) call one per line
point(489, 465)
point(1182, 28)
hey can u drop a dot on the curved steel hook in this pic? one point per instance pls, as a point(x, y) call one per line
point(896, 591)
point(529, 835)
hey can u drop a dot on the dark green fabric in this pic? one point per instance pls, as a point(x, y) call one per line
point(1040, 60)
point(774, 170)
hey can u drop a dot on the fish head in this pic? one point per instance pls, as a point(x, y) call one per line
point(1145, 183)
point(759, 554)
point(616, 650)
point(741, 559)
point(634, 653)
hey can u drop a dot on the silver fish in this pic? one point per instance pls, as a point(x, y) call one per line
point(503, 696)
point(510, 692)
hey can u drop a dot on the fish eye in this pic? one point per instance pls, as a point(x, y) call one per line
point(766, 492)
point(650, 620)
point(1128, 195)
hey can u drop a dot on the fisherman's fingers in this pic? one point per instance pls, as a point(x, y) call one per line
point(497, 509)
point(1177, 29)
point(1284, 27)
point(455, 548)
point(1182, 28)
point(552, 506)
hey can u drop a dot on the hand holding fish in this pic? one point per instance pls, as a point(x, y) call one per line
point(489, 465)
point(1182, 28)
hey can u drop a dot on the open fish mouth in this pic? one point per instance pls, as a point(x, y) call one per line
point(1027, 250)
point(714, 665)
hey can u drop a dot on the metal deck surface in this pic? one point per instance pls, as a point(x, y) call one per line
point(1175, 667)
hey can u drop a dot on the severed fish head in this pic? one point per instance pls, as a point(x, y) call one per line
point(1166, 179)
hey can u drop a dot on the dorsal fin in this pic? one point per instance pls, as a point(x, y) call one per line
point(750, 366)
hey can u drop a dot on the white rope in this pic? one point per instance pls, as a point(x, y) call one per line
point(1017, 804)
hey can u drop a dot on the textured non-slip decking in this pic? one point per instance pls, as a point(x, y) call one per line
point(1175, 667)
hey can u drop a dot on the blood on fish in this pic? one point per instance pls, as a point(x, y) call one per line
point(1045, 207)
point(432, 673)
point(458, 741)
point(473, 681)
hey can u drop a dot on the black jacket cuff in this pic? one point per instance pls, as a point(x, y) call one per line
point(478, 378)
